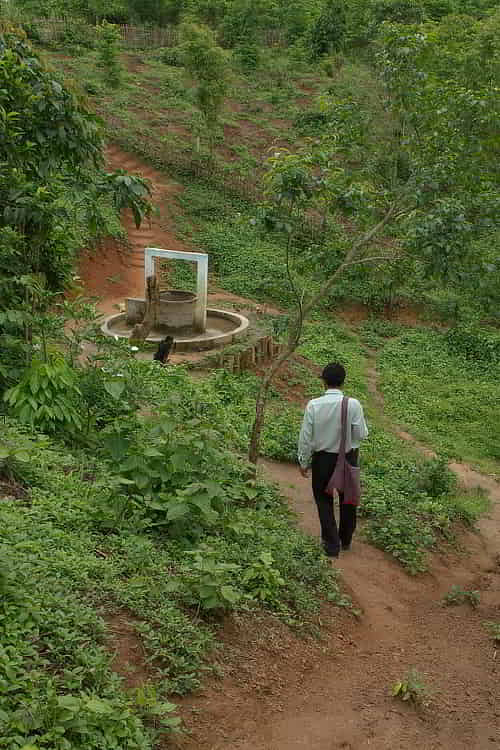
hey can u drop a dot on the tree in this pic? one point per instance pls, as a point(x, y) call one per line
point(441, 84)
point(328, 31)
point(54, 191)
point(208, 65)
point(109, 37)
point(296, 184)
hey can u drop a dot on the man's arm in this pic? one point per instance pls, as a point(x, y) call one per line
point(305, 440)
point(359, 430)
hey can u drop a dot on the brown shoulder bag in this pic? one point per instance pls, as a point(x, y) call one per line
point(345, 478)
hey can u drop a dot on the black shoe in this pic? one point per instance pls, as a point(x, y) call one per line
point(346, 547)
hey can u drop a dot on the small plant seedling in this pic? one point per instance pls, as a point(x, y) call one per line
point(412, 689)
point(458, 595)
point(493, 629)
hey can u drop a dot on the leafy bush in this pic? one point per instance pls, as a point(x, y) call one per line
point(328, 31)
point(47, 397)
point(209, 582)
point(172, 56)
point(14, 455)
point(31, 32)
point(474, 343)
point(109, 38)
point(436, 479)
point(311, 121)
point(263, 580)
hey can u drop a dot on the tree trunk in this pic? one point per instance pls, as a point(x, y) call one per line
point(142, 330)
point(295, 332)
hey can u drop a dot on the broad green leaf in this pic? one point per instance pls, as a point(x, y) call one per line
point(115, 388)
point(177, 511)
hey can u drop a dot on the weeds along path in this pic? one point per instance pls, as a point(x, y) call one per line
point(469, 478)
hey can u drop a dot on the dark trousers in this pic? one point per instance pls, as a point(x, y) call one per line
point(323, 465)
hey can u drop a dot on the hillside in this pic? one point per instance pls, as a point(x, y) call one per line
point(159, 590)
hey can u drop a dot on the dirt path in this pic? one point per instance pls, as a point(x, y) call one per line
point(335, 694)
point(114, 270)
point(342, 700)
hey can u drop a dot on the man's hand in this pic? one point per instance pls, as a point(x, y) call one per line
point(304, 472)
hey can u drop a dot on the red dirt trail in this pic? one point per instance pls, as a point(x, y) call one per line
point(336, 694)
point(281, 692)
point(114, 271)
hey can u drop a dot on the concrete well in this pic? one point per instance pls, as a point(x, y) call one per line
point(177, 309)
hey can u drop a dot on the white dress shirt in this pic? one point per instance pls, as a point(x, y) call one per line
point(322, 426)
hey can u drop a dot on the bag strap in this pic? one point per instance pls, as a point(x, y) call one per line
point(343, 436)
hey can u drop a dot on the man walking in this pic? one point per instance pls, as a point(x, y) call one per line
point(319, 444)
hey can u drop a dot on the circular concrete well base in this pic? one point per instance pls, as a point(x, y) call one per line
point(223, 326)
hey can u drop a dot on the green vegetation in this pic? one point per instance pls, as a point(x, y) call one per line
point(494, 630)
point(126, 492)
point(410, 504)
point(458, 595)
point(445, 396)
point(108, 53)
point(412, 689)
point(207, 64)
point(96, 535)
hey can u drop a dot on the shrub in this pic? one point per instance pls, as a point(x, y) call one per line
point(436, 479)
point(328, 32)
point(172, 56)
point(209, 582)
point(47, 396)
point(477, 344)
point(312, 121)
point(247, 56)
point(109, 37)
point(73, 35)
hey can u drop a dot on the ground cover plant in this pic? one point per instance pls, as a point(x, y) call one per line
point(412, 689)
point(447, 398)
point(97, 534)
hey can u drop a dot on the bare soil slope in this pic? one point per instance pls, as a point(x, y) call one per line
point(115, 270)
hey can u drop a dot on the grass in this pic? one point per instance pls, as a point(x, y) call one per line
point(451, 403)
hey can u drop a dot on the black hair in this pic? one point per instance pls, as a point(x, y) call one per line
point(334, 375)
point(164, 348)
